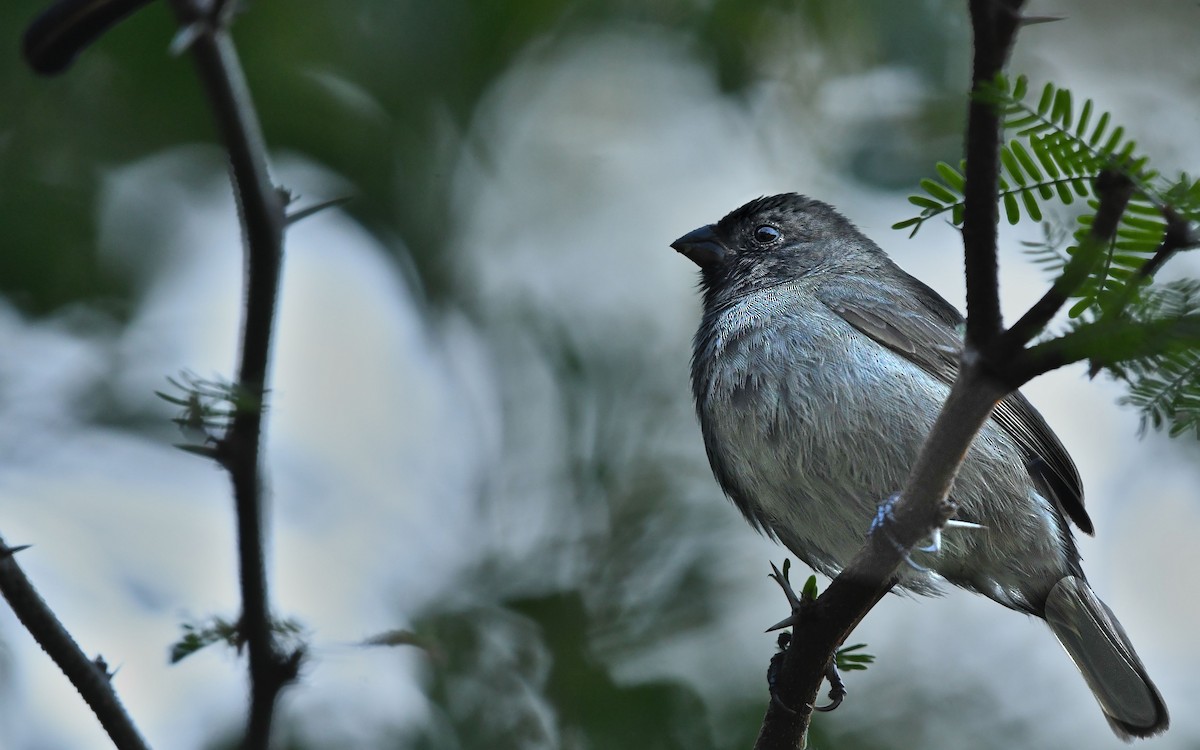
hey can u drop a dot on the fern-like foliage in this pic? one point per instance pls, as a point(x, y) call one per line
point(1056, 151)
point(1048, 252)
point(1166, 388)
point(1054, 154)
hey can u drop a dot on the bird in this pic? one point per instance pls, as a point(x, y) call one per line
point(818, 369)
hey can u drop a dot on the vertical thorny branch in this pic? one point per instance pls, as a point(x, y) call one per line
point(50, 45)
point(261, 209)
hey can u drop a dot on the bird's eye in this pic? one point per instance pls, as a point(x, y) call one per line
point(766, 234)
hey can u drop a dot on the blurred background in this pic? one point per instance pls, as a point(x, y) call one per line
point(481, 427)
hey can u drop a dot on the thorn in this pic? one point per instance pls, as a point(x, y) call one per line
point(1035, 20)
point(786, 585)
point(935, 544)
point(7, 552)
point(954, 523)
point(100, 663)
point(304, 213)
point(186, 37)
point(794, 601)
point(206, 451)
point(790, 621)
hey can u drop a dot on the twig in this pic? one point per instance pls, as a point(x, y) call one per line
point(89, 678)
point(261, 208)
point(994, 23)
point(1115, 190)
point(51, 43)
point(1119, 340)
point(1178, 236)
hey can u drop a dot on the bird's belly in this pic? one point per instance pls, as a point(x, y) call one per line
point(816, 445)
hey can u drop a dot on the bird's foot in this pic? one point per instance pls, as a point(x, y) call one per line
point(784, 640)
point(884, 519)
point(799, 605)
point(837, 688)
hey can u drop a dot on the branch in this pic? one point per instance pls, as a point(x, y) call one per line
point(1107, 342)
point(1115, 189)
point(1179, 235)
point(62, 31)
point(89, 677)
point(994, 23)
point(1111, 339)
point(261, 208)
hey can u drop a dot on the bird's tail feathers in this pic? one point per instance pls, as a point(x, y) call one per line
point(1095, 641)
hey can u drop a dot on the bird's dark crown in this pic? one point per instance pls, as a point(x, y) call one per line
point(812, 240)
point(786, 208)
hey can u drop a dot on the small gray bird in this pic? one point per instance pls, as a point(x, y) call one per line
point(818, 370)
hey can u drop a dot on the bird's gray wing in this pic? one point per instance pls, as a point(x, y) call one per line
point(924, 328)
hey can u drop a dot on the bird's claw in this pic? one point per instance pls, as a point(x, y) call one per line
point(776, 665)
point(935, 543)
point(883, 517)
point(837, 688)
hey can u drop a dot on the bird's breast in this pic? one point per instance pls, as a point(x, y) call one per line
point(808, 423)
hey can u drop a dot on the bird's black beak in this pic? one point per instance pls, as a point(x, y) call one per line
point(702, 246)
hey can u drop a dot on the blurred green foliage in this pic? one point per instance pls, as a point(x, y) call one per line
point(380, 91)
point(491, 692)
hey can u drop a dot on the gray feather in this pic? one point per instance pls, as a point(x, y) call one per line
point(1097, 643)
